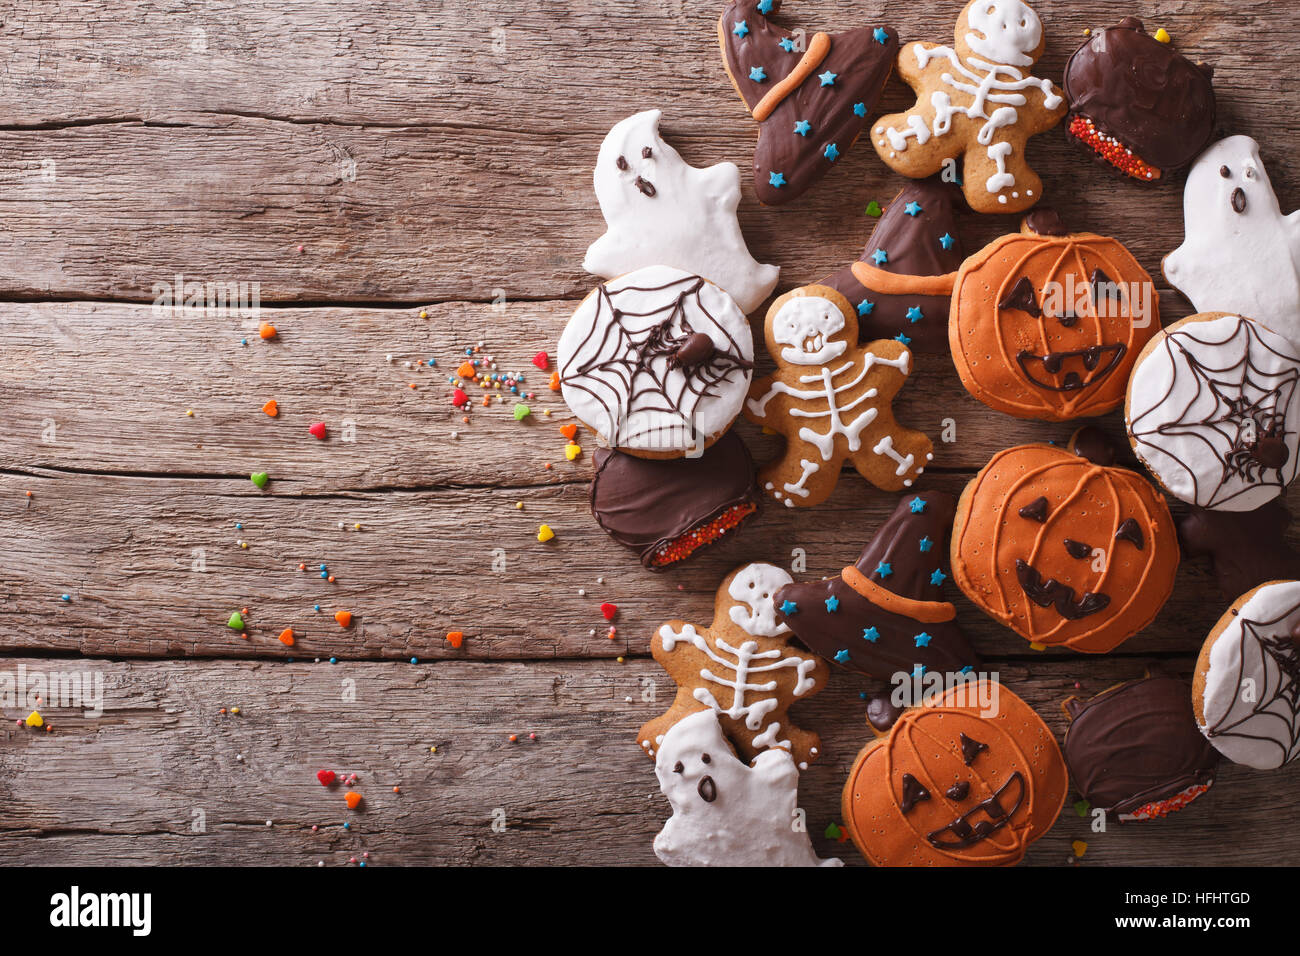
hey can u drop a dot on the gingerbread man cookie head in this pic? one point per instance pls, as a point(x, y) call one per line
point(1001, 31)
point(811, 329)
point(753, 589)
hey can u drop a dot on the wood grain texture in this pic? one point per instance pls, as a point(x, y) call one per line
point(127, 787)
point(436, 156)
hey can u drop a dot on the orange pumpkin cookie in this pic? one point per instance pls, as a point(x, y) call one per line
point(976, 100)
point(1062, 549)
point(1048, 324)
point(969, 779)
point(830, 397)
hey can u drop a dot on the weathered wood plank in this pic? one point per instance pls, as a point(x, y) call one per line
point(128, 787)
point(495, 194)
point(106, 387)
point(124, 549)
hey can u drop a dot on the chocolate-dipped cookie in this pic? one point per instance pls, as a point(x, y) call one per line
point(1245, 548)
point(1135, 751)
point(902, 284)
point(667, 509)
point(886, 614)
point(810, 93)
point(1138, 104)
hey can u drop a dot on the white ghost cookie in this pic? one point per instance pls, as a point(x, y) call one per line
point(661, 211)
point(1240, 254)
point(724, 812)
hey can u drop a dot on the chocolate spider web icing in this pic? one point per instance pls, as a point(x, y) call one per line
point(633, 373)
point(1238, 398)
point(1279, 657)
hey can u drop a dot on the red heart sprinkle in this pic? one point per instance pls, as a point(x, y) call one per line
point(609, 610)
point(458, 397)
point(541, 360)
point(318, 430)
point(326, 777)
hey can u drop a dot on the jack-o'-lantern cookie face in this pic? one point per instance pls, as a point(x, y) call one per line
point(1047, 324)
point(970, 779)
point(1062, 550)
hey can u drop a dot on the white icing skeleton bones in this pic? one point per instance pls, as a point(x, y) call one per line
point(842, 391)
point(982, 79)
point(741, 668)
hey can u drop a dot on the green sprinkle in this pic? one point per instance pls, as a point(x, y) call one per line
point(236, 621)
point(521, 412)
point(873, 209)
point(259, 478)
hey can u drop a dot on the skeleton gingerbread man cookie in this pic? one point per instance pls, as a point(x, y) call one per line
point(976, 100)
point(742, 668)
point(830, 398)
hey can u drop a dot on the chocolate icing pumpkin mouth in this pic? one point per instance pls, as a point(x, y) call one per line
point(1098, 361)
point(962, 833)
point(1053, 593)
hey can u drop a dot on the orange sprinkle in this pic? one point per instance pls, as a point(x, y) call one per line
point(555, 382)
point(467, 370)
point(271, 408)
point(514, 738)
point(353, 799)
point(286, 636)
point(343, 617)
point(569, 430)
point(455, 638)
point(397, 790)
point(412, 385)
point(266, 330)
point(330, 579)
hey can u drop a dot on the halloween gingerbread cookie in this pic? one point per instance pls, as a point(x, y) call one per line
point(976, 100)
point(1214, 411)
point(970, 779)
point(742, 668)
point(901, 286)
point(668, 509)
point(656, 362)
point(809, 94)
point(727, 812)
point(1048, 324)
point(661, 211)
point(1240, 253)
point(887, 614)
point(1062, 550)
point(830, 398)
point(1134, 750)
point(1245, 548)
point(1137, 104)
point(1246, 691)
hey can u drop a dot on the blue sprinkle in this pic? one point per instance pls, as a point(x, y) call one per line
point(880, 257)
point(859, 109)
point(923, 639)
point(757, 75)
point(938, 577)
point(865, 307)
point(842, 656)
point(740, 29)
point(789, 607)
point(917, 505)
point(915, 314)
point(881, 35)
point(415, 660)
point(828, 78)
point(870, 634)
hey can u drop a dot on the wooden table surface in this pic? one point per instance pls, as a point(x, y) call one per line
point(408, 178)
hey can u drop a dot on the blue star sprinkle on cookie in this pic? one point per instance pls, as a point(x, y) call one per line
point(880, 257)
point(740, 28)
point(938, 577)
point(900, 337)
point(946, 241)
point(913, 209)
point(803, 127)
point(765, 7)
point(757, 75)
point(859, 109)
point(776, 179)
point(789, 607)
point(832, 152)
point(881, 35)
point(787, 44)
point(923, 639)
point(832, 604)
point(926, 544)
point(842, 656)
point(865, 307)
point(884, 569)
point(915, 314)
point(870, 634)
point(828, 78)
point(917, 505)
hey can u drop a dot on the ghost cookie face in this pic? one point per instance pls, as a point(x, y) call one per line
point(1048, 324)
point(662, 211)
point(830, 398)
point(656, 362)
point(1062, 550)
point(1137, 104)
point(1134, 750)
point(1246, 692)
point(977, 101)
point(810, 92)
point(727, 812)
point(971, 779)
point(1213, 411)
point(1240, 253)
point(742, 668)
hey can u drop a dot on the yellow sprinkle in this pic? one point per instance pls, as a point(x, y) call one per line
point(547, 412)
point(1087, 31)
point(544, 533)
point(423, 314)
point(34, 719)
point(433, 750)
point(244, 545)
point(619, 659)
point(1163, 36)
point(572, 451)
point(189, 413)
point(357, 526)
point(1037, 647)
point(1079, 847)
point(519, 505)
point(234, 710)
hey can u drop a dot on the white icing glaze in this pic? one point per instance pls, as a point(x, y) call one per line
point(755, 586)
point(1246, 262)
point(1252, 714)
point(805, 327)
point(1008, 31)
point(1186, 417)
point(752, 819)
point(689, 223)
point(657, 407)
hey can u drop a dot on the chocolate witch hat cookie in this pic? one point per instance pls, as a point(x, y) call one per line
point(810, 94)
point(902, 285)
point(1245, 548)
point(886, 614)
